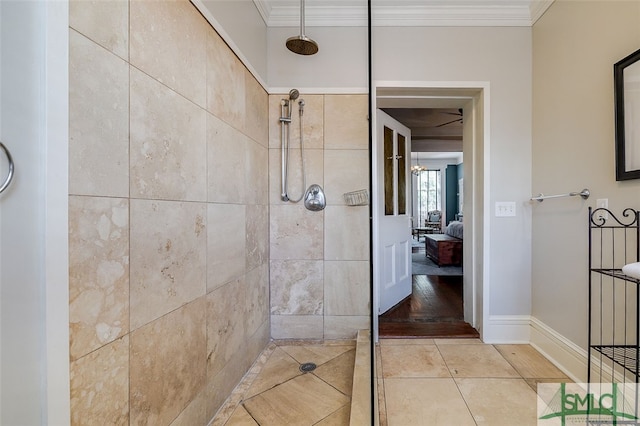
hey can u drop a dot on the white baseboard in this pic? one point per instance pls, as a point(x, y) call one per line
point(570, 358)
point(566, 355)
point(505, 329)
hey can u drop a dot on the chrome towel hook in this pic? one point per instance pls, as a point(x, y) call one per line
point(9, 177)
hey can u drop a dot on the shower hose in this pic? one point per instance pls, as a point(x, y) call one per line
point(302, 161)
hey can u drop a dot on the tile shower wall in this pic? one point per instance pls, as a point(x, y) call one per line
point(319, 279)
point(168, 212)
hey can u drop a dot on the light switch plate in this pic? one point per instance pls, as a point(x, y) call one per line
point(505, 208)
point(602, 203)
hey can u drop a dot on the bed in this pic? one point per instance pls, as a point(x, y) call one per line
point(454, 229)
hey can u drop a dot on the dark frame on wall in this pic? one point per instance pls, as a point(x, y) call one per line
point(627, 116)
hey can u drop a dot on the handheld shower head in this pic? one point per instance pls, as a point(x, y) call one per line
point(288, 103)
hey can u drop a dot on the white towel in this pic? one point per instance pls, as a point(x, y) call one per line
point(632, 270)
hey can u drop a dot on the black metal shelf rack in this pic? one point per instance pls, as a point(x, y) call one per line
point(614, 298)
point(623, 355)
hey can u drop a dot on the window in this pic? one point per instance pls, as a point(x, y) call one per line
point(395, 173)
point(429, 189)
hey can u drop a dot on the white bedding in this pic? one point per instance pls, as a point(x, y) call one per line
point(454, 229)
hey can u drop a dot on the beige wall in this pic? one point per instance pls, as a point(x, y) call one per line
point(168, 215)
point(320, 260)
point(575, 45)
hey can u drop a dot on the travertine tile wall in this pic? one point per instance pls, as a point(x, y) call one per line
point(168, 211)
point(319, 279)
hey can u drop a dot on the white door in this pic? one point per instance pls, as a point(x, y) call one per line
point(34, 339)
point(392, 211)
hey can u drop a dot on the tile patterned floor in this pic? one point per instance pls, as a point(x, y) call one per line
point(419, 381)
point(280, 394)
point(459, 382)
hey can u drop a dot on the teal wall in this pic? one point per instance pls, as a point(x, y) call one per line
point(451, 192)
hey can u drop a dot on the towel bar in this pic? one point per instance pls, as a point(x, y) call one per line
point(584, 194)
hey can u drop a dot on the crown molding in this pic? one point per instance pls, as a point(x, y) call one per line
point(264, 9)
point(519, 13)
point(316, 16)
point(538, 8)
point(452, 15)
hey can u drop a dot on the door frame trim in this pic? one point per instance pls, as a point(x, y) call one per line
point(455, 94)
point(58, 408)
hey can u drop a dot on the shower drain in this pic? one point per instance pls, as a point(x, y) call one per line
point(307, 367)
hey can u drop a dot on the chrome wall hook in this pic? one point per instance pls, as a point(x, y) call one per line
point(9, 177)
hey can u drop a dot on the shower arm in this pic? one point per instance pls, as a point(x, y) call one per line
point(302, 18)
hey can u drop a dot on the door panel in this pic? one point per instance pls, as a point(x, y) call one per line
point(389, 201)
point(402, 173)
point(403, 260)
point(389, 258)
point(393, 226)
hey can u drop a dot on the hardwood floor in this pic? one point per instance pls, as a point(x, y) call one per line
point(458, 330)
point(434, 309)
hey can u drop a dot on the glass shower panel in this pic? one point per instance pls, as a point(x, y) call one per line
point(388, 172)
point(402, 174)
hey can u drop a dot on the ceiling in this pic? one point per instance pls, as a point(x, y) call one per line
point(432, 129)
point(329, 13)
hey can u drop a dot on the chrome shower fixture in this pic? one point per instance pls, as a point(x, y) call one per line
point(301, 44)
point(286, 107)
point(314, 198)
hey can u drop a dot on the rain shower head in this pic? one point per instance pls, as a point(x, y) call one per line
point(301, 44)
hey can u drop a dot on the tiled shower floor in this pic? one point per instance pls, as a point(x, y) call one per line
point(277, 393)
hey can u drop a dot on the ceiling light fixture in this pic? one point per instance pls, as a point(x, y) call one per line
point(417, 168)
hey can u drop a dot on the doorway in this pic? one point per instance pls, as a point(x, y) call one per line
point(472, 98)
point(434, 309)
